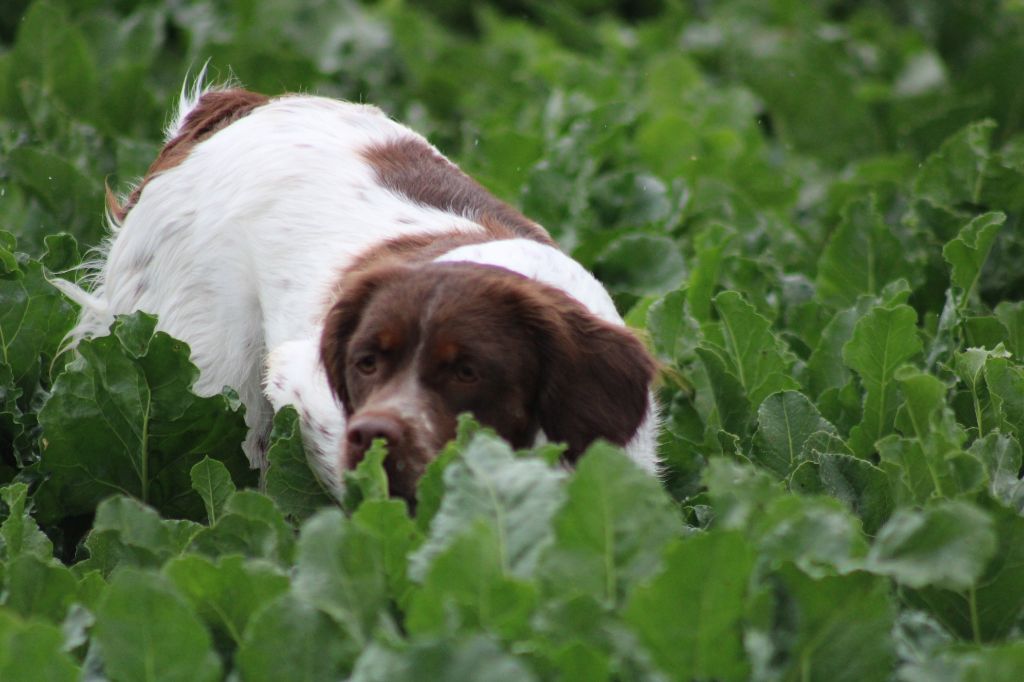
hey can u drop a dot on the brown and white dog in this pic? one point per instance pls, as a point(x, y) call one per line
point(316, 253)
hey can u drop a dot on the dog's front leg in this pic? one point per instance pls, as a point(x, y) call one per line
point(295, 376)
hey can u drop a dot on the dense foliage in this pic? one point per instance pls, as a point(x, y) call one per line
point(811, 209)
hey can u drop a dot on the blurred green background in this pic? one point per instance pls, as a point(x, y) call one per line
point(597, 118)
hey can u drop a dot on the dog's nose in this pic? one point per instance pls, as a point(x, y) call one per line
point(363, 429)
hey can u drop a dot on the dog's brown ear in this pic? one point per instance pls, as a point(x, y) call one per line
point(357, 290)
point(598, 376)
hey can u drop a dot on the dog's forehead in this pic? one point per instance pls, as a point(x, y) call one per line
point(448, 310)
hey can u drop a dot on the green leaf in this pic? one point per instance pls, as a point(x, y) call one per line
point(343, 568)
point(212, 481)
point(290, 482)
point(34, 651)
point(732, 407)
point(689, 615)
point(882, 340)
point(991, 610)
point(474, 658)
point(516, 496)
point(710, 245)
point(1005, 382)
point(72, 196)
point(128, 532)
point(834, 628)
point(149, 632)
point(289, 639)
point(954, 175)
point(369, 480)
point(430, 489)
point(611, 531)
point(784, 423)
point(129, 396)
point(752, 353)
point(669, 325)
point(825, 366)
point(61, 254)
point(641, 263)
point(19, 533)
point(53, 50)
point(925, 398)
point(395, 536)
point(40, 589)
point(1002, 663)
point(817, 534)
point(1011, 315)
point(860, 485)
point(1001, 455)
point(252, 526)
point(947, 545)
point(967, 252)
point(970, 367)
point(739, 492)
point(34, 317)
point(861, 257)
point(467, 581)
point(226, 593)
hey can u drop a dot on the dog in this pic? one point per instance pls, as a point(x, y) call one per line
point(316, 253)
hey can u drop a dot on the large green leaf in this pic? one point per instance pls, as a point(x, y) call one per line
point(149, 632)
point(351, 568)
point(947, 545)
point(468, 589)
point(210, 478)
point(226, 593)
point(19, 533)
point(30, 650)
point(785, 421)
point(967, 252)
point(882, 340)
point(128, 395)
point(289, 639)
point(689, 615)
point(126, 532)
point(611, 532)
point(460, 660)
point(516, 496)
point(34, 317)
point(40, 589)
point(834, 628)
point(955, 173)
point(250, 525)
point(290, 481)
point(861, 257)
point(752, 353)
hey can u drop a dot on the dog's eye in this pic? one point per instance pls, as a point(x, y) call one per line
point(367, 364)
point(465, 373)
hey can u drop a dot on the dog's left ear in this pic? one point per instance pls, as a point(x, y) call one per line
point(598, 376)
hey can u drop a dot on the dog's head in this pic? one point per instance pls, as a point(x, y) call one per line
point(408, 348)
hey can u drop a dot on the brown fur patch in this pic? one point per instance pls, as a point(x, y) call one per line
point(214, 111)
point(412, 168)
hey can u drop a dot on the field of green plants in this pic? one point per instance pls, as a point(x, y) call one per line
point(811, 210)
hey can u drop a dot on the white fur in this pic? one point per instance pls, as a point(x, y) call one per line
point(236, 250)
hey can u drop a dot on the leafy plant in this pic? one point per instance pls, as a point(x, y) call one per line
point(812, 212)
